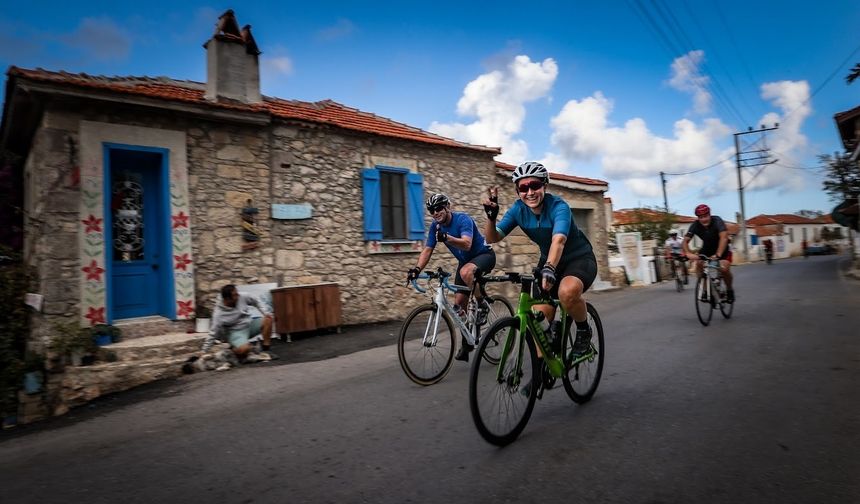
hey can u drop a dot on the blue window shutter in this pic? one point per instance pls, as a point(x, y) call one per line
point(415, 202)
point(372, 206)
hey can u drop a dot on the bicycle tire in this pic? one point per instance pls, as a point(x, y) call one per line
point(586, 374)
point(422, 364)
point(726, 308)
point(501, 409)
point(704, 308)
point(500, 308)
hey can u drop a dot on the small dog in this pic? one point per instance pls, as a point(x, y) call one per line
point(219, 360)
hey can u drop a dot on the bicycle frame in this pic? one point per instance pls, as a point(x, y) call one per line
point(440, 299)
point(529, 325)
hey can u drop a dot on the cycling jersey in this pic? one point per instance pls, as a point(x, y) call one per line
point(676, 245)
point(461, 226)
point(710, 235)
point(555, 218)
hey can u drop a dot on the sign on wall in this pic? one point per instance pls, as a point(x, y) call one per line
point(292, 212)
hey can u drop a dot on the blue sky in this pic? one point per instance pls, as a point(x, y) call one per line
point(615, 90)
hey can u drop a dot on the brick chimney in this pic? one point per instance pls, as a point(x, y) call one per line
point(232, 63)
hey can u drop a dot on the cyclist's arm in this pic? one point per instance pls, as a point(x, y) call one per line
point(724, 240)
point(491, 234)
point(424, 258)
point(464, 228)
point(556, 248)
point(686, 248)
point(462, 243)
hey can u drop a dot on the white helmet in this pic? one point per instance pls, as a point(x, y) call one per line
point(530, 169)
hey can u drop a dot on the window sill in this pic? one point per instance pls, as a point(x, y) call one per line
point(394, 246)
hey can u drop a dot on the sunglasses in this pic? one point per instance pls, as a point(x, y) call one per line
point(435, 209)
point(534, 185)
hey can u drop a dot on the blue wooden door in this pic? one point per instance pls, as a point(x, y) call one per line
point(136, 228)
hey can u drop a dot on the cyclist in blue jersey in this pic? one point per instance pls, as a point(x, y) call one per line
point(460, 234)
point(567, 263)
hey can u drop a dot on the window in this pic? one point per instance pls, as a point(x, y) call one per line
point(393, 204)
point(791, 235)
point(804, 233)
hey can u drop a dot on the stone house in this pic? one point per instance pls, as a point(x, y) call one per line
point(135, 189)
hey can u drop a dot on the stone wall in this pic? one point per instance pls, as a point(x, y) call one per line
point(229, 164)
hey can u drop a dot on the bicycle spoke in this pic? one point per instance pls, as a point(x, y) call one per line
point(426, 356)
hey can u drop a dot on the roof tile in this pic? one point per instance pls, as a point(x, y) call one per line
point(324, 112)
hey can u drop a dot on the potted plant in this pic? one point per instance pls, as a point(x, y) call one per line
point(104, 334)
point(202, 318)
point(74, 343)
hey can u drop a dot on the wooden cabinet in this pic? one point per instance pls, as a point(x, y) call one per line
point(306, 308)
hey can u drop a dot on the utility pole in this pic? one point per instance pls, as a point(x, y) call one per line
point(665, 201)
point(744, 163)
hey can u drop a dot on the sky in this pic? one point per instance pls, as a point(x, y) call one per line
point(615, 90)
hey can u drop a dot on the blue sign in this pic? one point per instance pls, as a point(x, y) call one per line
point(291, 212)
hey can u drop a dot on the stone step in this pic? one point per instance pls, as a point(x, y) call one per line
point(162, 346)
point(141, 327)
point(81, 384)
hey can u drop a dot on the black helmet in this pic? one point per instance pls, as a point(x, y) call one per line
point(530, 169)
point(437, 200)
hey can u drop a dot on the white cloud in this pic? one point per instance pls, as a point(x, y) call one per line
point(497, 99)
point(582, 131)
point(787, 144)
point(341, 29)
point(100, 38)
point(275, 65)
point(644, 187)
point(686, 77)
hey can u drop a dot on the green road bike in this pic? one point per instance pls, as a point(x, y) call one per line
point(502, 396)
point(428, 336)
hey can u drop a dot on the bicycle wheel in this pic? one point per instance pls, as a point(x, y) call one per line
point(704, 306)
point(582, 376)
point(501, 407)
point(500, 308)
point(424, 360)
point(726, 308)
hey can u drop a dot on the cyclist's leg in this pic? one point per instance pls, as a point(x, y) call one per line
point(576, 277)
point(485, 262)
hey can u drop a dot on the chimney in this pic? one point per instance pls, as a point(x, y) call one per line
point(232, 63)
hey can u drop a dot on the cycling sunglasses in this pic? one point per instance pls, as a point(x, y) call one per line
point(534, 185)
point(435, 209)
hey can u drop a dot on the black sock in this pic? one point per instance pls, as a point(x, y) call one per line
point(582, 326)
point(266, 347)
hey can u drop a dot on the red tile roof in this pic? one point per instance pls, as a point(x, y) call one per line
point(764, 219)
point(325, 112)
point(627, 216)
point(559, 176)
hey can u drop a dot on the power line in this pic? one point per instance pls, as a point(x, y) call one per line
point(701, 169)
point(683, 39)
point(826, 81)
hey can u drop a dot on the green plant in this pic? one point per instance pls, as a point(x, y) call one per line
point(15, 324)
point(202, 311)
point(70, 337)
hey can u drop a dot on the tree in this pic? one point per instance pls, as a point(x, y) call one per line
point(842, 176)
point(654, 223)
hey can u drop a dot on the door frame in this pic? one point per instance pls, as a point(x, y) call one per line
point(166, 306)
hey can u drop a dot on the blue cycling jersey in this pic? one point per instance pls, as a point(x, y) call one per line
point(461, 226)
point(555, 218)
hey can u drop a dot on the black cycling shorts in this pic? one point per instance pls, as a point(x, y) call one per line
point(485, 262)
point(584, 268)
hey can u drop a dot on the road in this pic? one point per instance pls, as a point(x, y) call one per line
point(761, 408)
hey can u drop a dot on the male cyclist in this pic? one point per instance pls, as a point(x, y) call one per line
point(715, 244)
point(567, 263)
point(674, 251)
point(460, 234)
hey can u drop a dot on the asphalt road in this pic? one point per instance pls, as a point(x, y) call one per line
point(761, 408)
